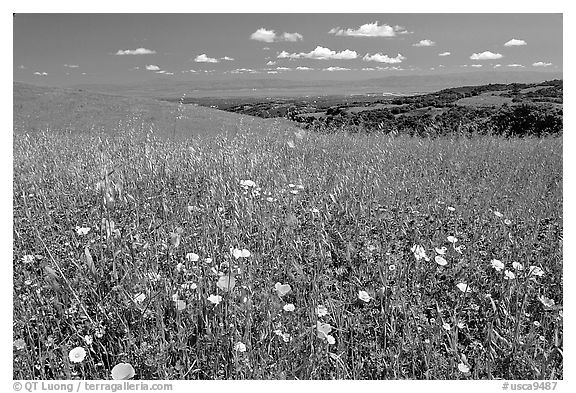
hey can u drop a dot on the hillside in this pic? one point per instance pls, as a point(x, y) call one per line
point(76, 110)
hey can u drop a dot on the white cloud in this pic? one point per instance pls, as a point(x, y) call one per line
point(283, 69)
point(424, 43)
point(152, 67)
point(266, 48)
point(161, 72)
point(71, 65)
point(515, 65)
point(292, 37)
point(265, 35)
point(497, 65)
point(271, 63)
point(272, 72)
point(139, 51)
point(336, 69)
point(515, 42)
point(487, 55)
point(476, 65)
point(380, 58)
point(41, 73)
point(205, 59)
point(320, 53)
point(370, 30)
point(226, 58)
point(541, 64)
point(304, 68)
point(368, 69)
point(191, 71)
point(444, 54)
point(244, 71)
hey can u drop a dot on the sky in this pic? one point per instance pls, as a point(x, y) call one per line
point(69, 49)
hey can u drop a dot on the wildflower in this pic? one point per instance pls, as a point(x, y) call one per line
point(498, 214)
point(446, 326)
point(547, 302)
point(208, 260)
point(19, 344)
point(496, 264)
point(314, 210)
point(286, 337)
point(77, 355)
point(392, 268)
point(215, 299)
point(192, 257)
point(321, 311)
point(419, 252)
point(461, 325)
point(300, 134)
point(247, 183)
point(507, 222)
point(440, 261)
point(537, 324)
point(240, 253)
point(123, 371)
point(100, 330)
point(517, 266)
point(270, 199)
point(464, 287)
point(426, 341)
point(180, 267)
point(140, 298)
point(291, 144)
point(289, 307)
point(441, 250)
point(463, 368)
point(226, 283)
point(451, 208)
point(82, 231)
point(363, 295)
point(508, 275)
point(323, 330)
point(88, 340)
point(295, 192)
point(240, 347)
point(181, 305)
point(535, 271)
point(300, 187)
point(282, 289)
point(175, 297)
point(28, 259)
point(460, 248)
point(27, 282)
point(452, 239)
point(291, 185)
point(542, 338)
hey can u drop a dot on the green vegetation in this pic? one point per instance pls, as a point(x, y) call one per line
point(406, 257)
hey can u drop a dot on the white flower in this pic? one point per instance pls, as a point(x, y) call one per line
point(180, 267)
point(363, 295)
point(496, 264)
point(282, 289)
point(208, 261)
point(547, 302)
point(88, 340)
point(460, 248)
point(461, 325)
point(446, 326)
point(507, 222)
point(452, 239)
point(321, 311)
point(123, 371)
point(240, 347)
point(215, 299)
point(535, 271)
point(28, 258)
point(498, 214)
point(289, 307)
point(240, 253)
point(463, 368)
point(464, 287)
point(226, 282)
point(140, 298)
point(77, 355)
point(508, 275)
point(192, 257)
point(517, 266)
point(286, 337)
point(419, 252)
point(323, 330)
point(451, 208)
point(440, 261)
point(441, 250)
point(247, 183)
point(81, 231)
point(180, 305)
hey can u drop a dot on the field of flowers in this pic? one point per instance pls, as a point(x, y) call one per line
point(287, 255)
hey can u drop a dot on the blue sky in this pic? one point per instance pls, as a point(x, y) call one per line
point(67, 49)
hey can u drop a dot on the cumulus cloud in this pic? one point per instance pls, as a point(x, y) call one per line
point(271, 63)
point(368, 69)
point(444, 54)
point(272, 72)
point(380, 58)
point(320, 53)
point(515, 42)
point(283, 69)
point(476, 65)
point(40, 73)
point(205, 59)
point(541, 64)
point(336, 69)
point(304, 68)
point(152, 67)
point(226, 58)
point(292, 37)
point(266, 35)
point(515, 65)
point(139, 51)
point(497, 65)
point(424, 43)
point(244, 71)
point(487, 55)
point(71, 65)
point(370, 30)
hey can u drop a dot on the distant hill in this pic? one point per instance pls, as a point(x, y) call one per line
point(40, 108)
point(407, 84)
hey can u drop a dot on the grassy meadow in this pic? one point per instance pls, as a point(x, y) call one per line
point(287, 255)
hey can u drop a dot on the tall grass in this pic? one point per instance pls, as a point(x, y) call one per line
point(331, 216)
